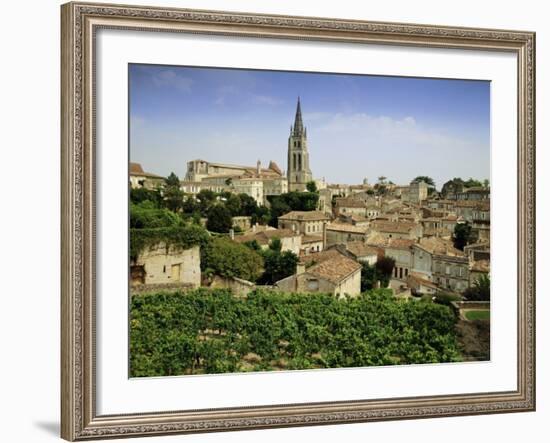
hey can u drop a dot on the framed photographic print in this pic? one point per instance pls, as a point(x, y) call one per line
point(283, 221)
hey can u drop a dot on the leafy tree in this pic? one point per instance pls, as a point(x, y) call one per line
point(140, 195)
point(428, 180)
point(471, 183)
point(480, 291)
point(190, 205)
point(206, 199)
point(219, 219)
point(147, 215)
point(384, 266)
point(382, 180)
point(486, 183)
point(275, 245)
point(369, 277)
point(249, 207)
point(224, 257)
point(233, 204)
point(278, 265)
point(423, 178)
point(173, 195)
point(254, 245)
point(462, 235)
point(172, 180)
point(311, 186)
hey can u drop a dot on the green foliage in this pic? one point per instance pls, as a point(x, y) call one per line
point(141, 195)
point(381, 272)
point(224, 257)
point(483, 314)
point(480, 290)
point(180, 236)
point(172, 180)
point(219, 219)
point(446, 298)
point(462, 235)
point(471, 183)
point(207, 331)
point(457, 185)
point(277, 265)
point(423, 178)
point(428, 180)
point(311, 186)
point(173, 195)
point(147, 215)
point(385, 265)
point(292, 201)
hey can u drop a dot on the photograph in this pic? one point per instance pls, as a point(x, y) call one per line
point(284, 220)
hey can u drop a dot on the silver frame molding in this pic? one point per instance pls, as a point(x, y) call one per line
point(79, 22)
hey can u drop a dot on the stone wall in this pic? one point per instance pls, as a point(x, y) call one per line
point(162, 264)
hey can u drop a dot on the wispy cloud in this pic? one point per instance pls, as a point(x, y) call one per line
point(169, 78)
point(266, 100)
point(224, 92)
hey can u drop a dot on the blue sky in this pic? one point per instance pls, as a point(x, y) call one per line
point(358, 125)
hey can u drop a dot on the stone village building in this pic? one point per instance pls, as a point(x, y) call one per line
point(329, 271)
point(311, 223)
point(290, 240)
point(141, 179)
point(167, 266)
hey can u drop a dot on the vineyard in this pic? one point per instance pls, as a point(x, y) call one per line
point(211, 331)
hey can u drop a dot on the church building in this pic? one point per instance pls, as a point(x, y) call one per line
point(298, 172)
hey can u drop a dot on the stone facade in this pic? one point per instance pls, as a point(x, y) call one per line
point(325, 272)
point(161, 264)
point(141, 179)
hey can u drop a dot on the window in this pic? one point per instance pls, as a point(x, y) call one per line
point(313, 285)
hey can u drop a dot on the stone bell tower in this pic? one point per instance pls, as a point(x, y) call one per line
point(298, 172)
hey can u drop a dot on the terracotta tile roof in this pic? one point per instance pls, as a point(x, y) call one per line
point(331, 265)
point(274, 167)
point(377, 240)
point(136, 169)
point(346, 227)
point(398, 227)
point(415, 280)
point(350, 203)
point(400, 243)
point(361, 249)
point(439, 246)
point(264, 237)
point(304, 216)
point(311, 239)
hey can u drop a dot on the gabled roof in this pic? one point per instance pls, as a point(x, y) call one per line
point(361, 249)
point(330, 265)
point(137, 170)
point(304, 216)
point(264, 237)
point(346, 227)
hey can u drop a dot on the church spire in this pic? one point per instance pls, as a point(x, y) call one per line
point(298, 123)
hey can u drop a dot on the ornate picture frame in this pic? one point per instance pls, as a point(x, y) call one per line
point(80, 22)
